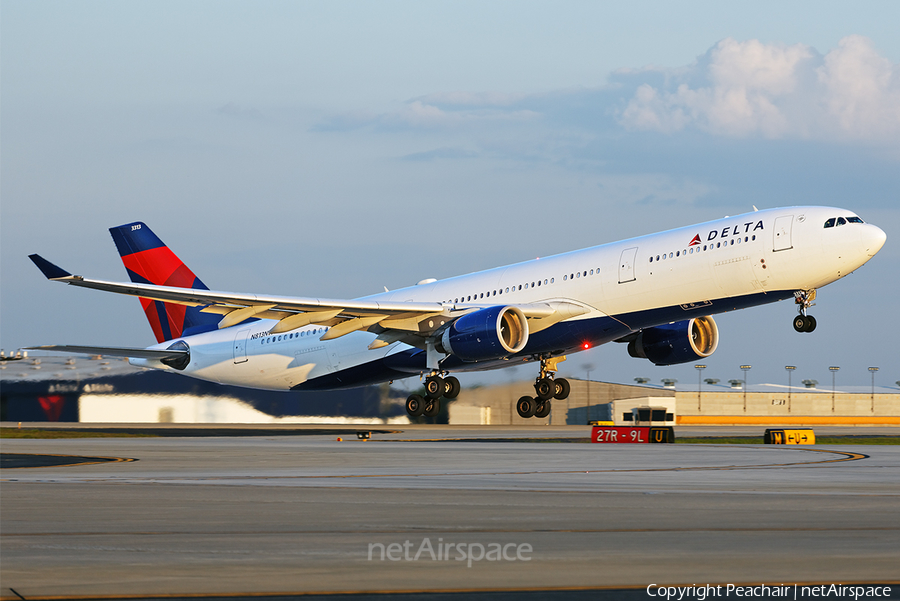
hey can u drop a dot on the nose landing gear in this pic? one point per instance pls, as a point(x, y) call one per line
point(546, 387)
point(804, 322)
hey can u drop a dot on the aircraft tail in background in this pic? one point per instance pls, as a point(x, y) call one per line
point(149, 261)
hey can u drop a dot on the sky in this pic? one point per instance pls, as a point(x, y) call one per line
point(330, 149)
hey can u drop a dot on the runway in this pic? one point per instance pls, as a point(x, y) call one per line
point(302, 514)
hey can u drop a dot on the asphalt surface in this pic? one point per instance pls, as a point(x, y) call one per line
point(293, 515)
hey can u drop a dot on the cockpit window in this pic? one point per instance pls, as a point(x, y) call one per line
point(841, 221)
point(830, 222)
point(854, 220)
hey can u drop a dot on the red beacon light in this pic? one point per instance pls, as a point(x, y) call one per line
point(586, 345)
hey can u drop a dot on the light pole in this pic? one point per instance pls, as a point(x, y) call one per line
point(872, 370)
point(790, 369)
point(834, 369)
point(700, 369)
point(588, 367)
point(745, 368)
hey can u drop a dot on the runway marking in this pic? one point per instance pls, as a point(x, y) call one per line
point(73, 463)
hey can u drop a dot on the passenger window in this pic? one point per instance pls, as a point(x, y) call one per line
point(830, 222)
point(841, 221)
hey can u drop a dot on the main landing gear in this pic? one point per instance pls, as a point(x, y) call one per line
point(546, 387)
point(804, 322)
point(436, 386)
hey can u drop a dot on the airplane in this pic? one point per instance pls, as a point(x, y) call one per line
point(656, 293)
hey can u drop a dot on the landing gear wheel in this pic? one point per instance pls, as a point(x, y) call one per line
point(525, 407)
point(810, 323)
point(543, 409)
point(415, 405)
point(804, 323)
point(432, 408)
point(434, 387)
point(451, 387)
point(544, 388)
point(562, 389)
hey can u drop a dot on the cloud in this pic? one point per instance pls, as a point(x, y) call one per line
point(737, 89)
point(457, 109)
point(752, 89)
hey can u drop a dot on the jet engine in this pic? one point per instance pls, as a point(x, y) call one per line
point(485, 334)
point(678, 342)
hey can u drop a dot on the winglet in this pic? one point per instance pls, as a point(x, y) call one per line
point(51, 271)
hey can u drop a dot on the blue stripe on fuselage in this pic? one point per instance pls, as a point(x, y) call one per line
point(560, 339)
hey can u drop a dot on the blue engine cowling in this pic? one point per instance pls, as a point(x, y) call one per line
point(678, 342)
point(486, 334)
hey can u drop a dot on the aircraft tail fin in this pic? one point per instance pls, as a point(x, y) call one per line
point(149, 261)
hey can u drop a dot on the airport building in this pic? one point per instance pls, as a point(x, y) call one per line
point(108, 389)
point(711, 405)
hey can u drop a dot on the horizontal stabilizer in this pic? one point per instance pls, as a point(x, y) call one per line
point(115, 351)
point(50, 271)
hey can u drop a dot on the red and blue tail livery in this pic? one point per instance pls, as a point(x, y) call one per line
point(149, 261)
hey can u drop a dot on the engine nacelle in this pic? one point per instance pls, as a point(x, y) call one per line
point(678, 342)
point(486, 334)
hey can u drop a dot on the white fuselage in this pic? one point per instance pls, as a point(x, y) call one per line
point(718, 266)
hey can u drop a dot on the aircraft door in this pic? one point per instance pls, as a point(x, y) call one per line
point(783, 233)
point(240, 346)
point(626, 265)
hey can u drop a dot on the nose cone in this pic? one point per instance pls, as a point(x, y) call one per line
point(873, 239)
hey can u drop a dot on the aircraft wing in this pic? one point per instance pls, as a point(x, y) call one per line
point(409, 322)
